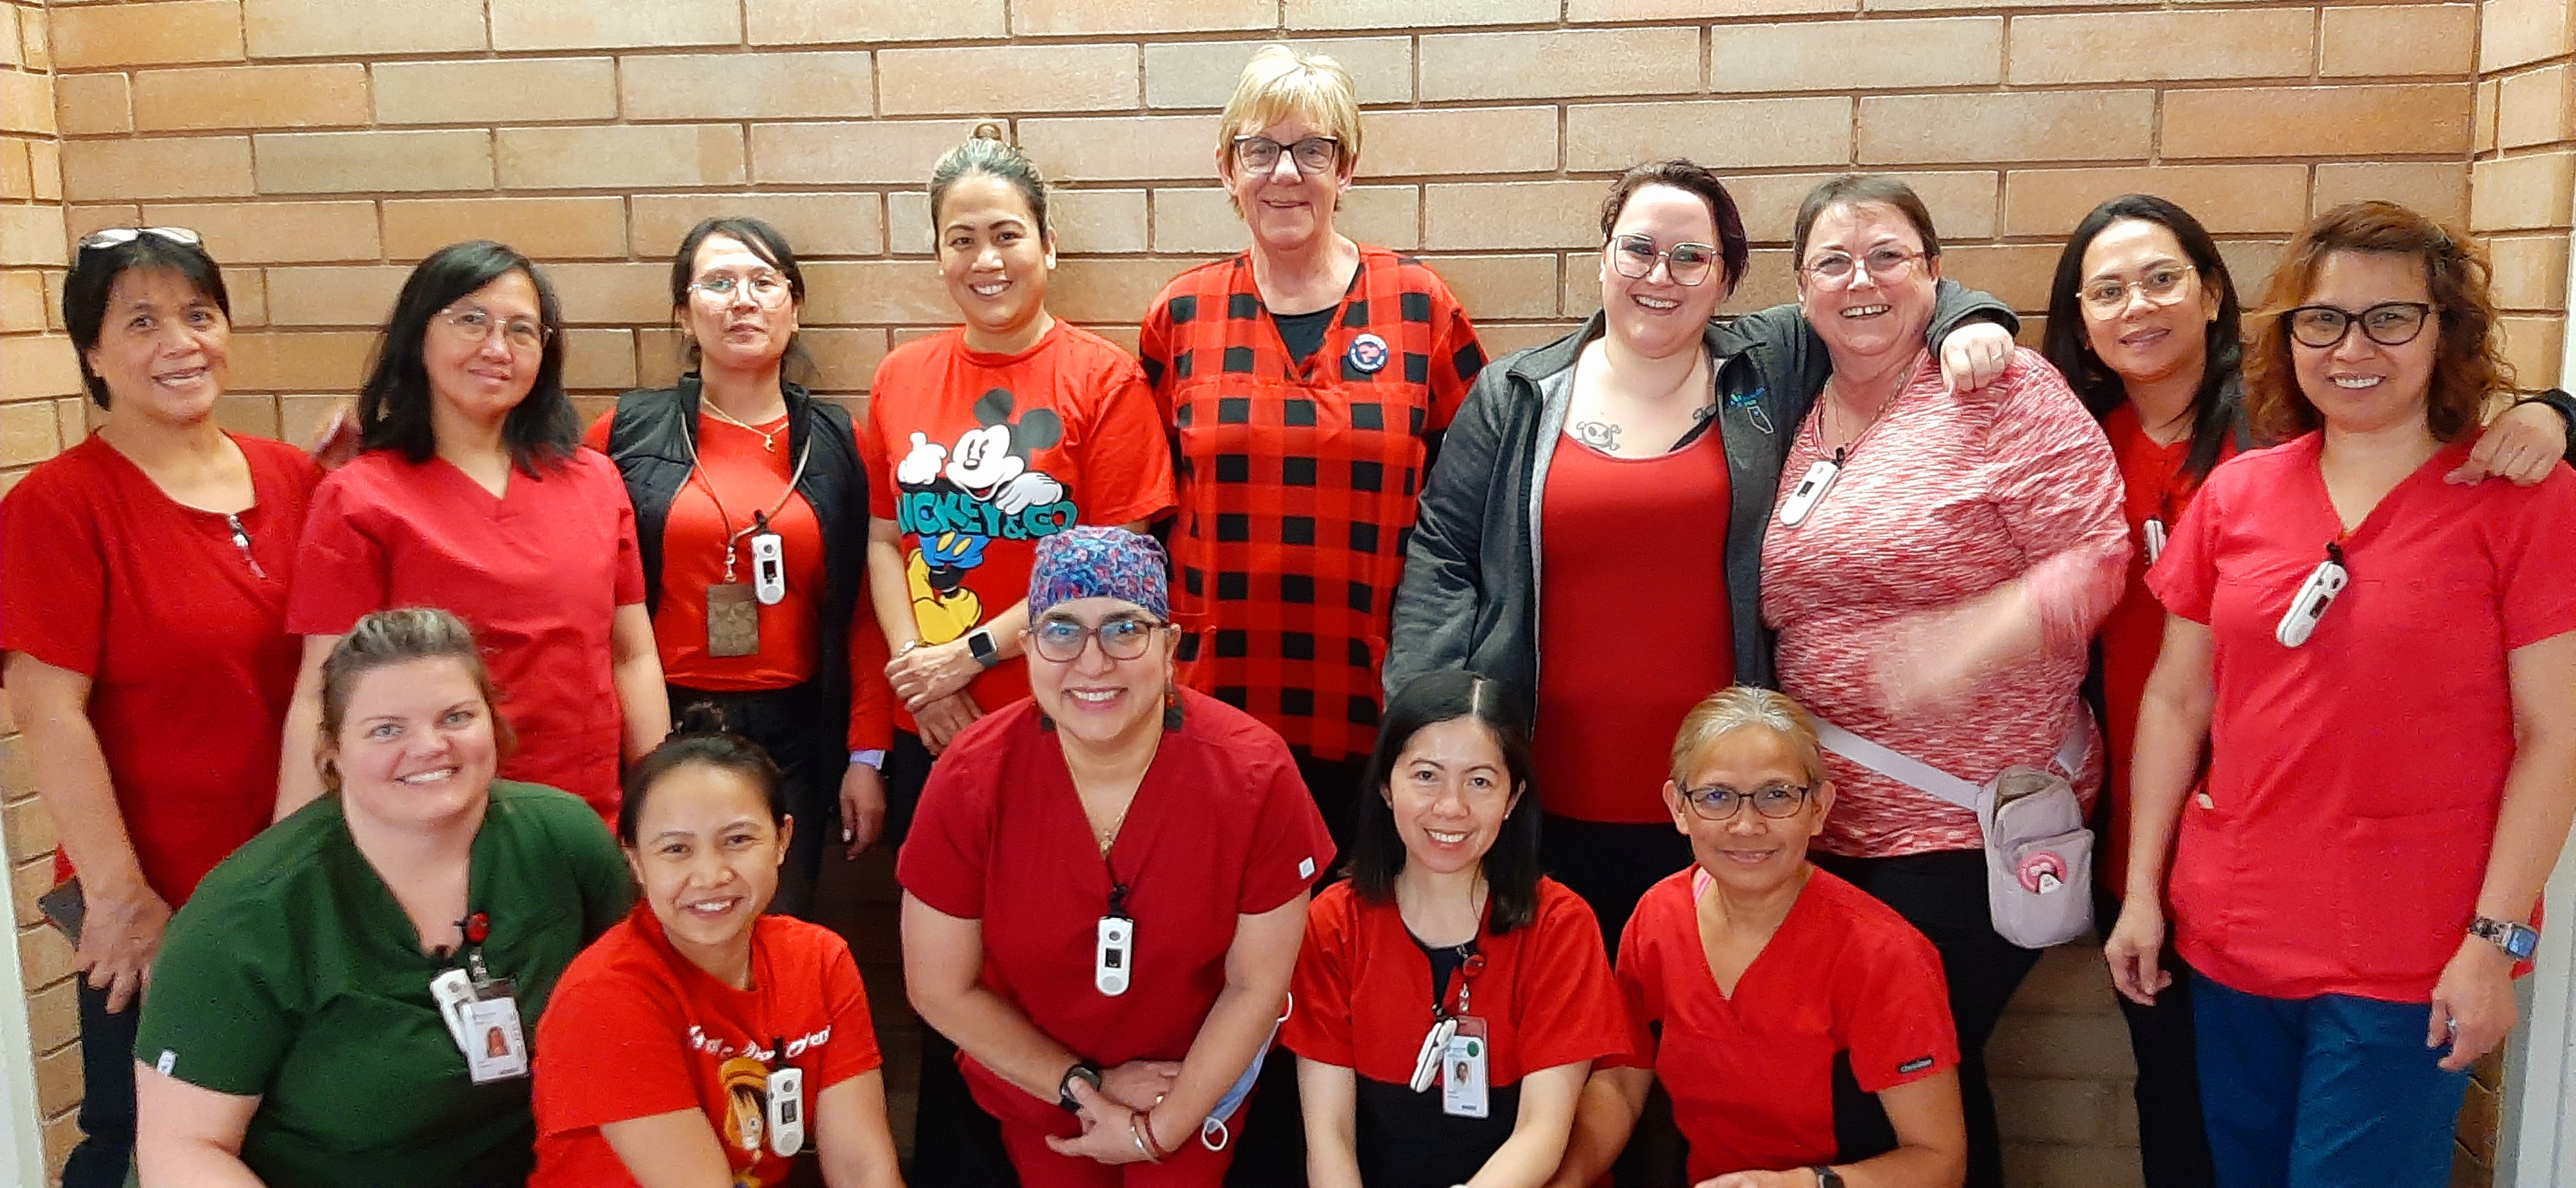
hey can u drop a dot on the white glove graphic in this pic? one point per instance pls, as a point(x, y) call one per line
point(920, 468)
point(1027, 491)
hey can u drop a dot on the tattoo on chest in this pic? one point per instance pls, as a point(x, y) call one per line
point(1600, 435)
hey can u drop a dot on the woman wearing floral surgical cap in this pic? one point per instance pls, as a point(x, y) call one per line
point(1105, 887)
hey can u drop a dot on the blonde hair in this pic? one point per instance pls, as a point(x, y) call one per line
point(385, 638)
point(1739, 707)
point(1280, 82)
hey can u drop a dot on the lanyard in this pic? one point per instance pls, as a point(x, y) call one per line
point(759, 520)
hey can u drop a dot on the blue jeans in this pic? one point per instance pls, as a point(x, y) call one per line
point(2325, 1092)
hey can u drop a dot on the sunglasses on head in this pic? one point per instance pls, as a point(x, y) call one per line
point(113, 236)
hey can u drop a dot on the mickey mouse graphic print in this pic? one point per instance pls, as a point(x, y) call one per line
point(976, 457)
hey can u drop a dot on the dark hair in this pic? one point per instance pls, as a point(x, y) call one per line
point(2070, 349)
point(700, 737)
point(1854, 189)
point(393, 406)
point(2468, 363)
point(762, 240)
point(1511, 865)
point(1734, 248)
point(389, 637)
point(985, 152)
point(93, 275)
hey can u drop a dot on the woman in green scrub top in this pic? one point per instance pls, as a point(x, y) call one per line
point(294, 1036)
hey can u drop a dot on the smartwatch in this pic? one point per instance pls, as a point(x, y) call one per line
point(1827, 1177)
point(980, 643)
point(1082, 1070)
point(2519, 941)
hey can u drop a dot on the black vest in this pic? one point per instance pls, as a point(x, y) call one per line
point(650, 440)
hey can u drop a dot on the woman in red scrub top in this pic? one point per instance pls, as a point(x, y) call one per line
point(1105, 888)
point(1799, 1024)
point(2352, 915)
point(473, 494)
point(1445, 908)
point(143, 610)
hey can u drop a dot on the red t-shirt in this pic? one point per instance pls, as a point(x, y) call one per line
point(1221, 827)
point(2156, 489)
point(1628, 541)
point(182, 637)
point(538, 573)
point(635, 1029)
point(977, 457)
point(2354, 780)
point(1751, 1075)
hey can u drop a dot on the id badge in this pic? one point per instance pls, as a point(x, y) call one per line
point(733, 620)
point(1463, 1070)
point(496, 1048)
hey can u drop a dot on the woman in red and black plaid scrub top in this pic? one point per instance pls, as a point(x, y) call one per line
point(1305, 382)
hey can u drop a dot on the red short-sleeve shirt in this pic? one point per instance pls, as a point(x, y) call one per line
point(1751, 1075)
point(538, 573)
point(2354, 781)
point(634, 1029)
point(181, 630)
point(1221, 827)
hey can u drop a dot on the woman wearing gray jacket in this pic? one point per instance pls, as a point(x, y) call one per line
point(1600, 500)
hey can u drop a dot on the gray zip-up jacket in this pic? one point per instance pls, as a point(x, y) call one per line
point(1471, 573)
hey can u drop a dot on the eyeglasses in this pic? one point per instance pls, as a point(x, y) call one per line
point(1884, 263)
point(1062, 640)
point(1718, 802)
point(112, 236)
point(767, 289)
point(1260, 154)
point(1634, 257)
point(2389, 323)
point(477, 323)
point(2162, 285)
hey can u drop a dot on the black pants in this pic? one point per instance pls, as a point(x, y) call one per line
point(788, 724)
point(1944, 895)
point(953, 1140)
point(107, 1099)
point(2173, 1137)
point(1610, 866)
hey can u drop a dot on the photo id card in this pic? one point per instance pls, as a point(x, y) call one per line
point(1463, 1070)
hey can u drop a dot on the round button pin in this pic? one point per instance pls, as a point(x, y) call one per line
point(1367, 353)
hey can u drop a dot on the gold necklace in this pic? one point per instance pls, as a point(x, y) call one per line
point(768, 437)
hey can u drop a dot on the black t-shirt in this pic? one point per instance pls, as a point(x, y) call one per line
point(1303, 334)
point(1404, 1140)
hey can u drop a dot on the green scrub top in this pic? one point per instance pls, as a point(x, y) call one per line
point(293, 976)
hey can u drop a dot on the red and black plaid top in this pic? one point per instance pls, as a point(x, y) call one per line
point(1297, 483)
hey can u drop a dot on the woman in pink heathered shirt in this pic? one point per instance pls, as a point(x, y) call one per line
point(1939, 598)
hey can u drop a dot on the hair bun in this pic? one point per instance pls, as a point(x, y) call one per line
point(987, 130)
point(700, 717)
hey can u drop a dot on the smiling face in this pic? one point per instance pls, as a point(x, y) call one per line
point(707, 855)
point(993, 260)
point(2139, 340)
point(739, 330)
point(1288, 209)
point(478, 380)
point(1450, 789)
point(1094, 697)
point(1868, 313)
point(164, 349)
point(2357, 384)
point(415, 747)
point(1748, 853)
point(1651, 314)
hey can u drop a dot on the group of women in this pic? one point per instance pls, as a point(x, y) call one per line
point(1447, 629)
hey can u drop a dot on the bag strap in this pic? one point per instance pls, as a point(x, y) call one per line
point(1896, 765)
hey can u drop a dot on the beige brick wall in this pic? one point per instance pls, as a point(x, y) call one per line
point(323, 145)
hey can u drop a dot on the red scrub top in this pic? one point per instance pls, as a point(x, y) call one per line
point(1751, 1076)
point(538, 573)
point(2354, 780)
point(635, 1029)
point(180, 628)
point(1221, 826)
point(1298, 479)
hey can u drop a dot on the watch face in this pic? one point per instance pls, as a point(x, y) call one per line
point(2521, 943)
point(979, 643)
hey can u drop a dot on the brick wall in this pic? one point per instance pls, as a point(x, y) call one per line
point(323, 145)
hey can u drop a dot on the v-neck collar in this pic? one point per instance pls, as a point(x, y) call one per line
point(1701, 883)
point(2376, 519)
point(480, 857)
point(489, 503)
point(134, 474)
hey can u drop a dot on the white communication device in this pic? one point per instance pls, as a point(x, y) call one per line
point(2154, 532)
point(1113, 961)
point(2310, 603)
point(1809, 492)
point(787, 1111)
point(1435, 1044)
point(454, 992)
point(768, 569)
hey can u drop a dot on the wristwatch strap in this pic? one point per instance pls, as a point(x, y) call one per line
point(1081, 1070)
point(2519, 941)
point(1827, 1177)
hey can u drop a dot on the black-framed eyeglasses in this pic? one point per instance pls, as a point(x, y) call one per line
point(2389, 323)
point(1717, 802)
point(1882, 263)
point(111, 236)
point(1634, 257)
point(1062, 640)
point(1315, 154)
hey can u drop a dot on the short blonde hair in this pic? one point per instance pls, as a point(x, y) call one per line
point(1280, 82)
point(1739, 707)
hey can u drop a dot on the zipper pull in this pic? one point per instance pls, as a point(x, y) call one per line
point(241, 540)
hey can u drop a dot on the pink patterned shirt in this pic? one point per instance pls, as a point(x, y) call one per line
point(1945, 498)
